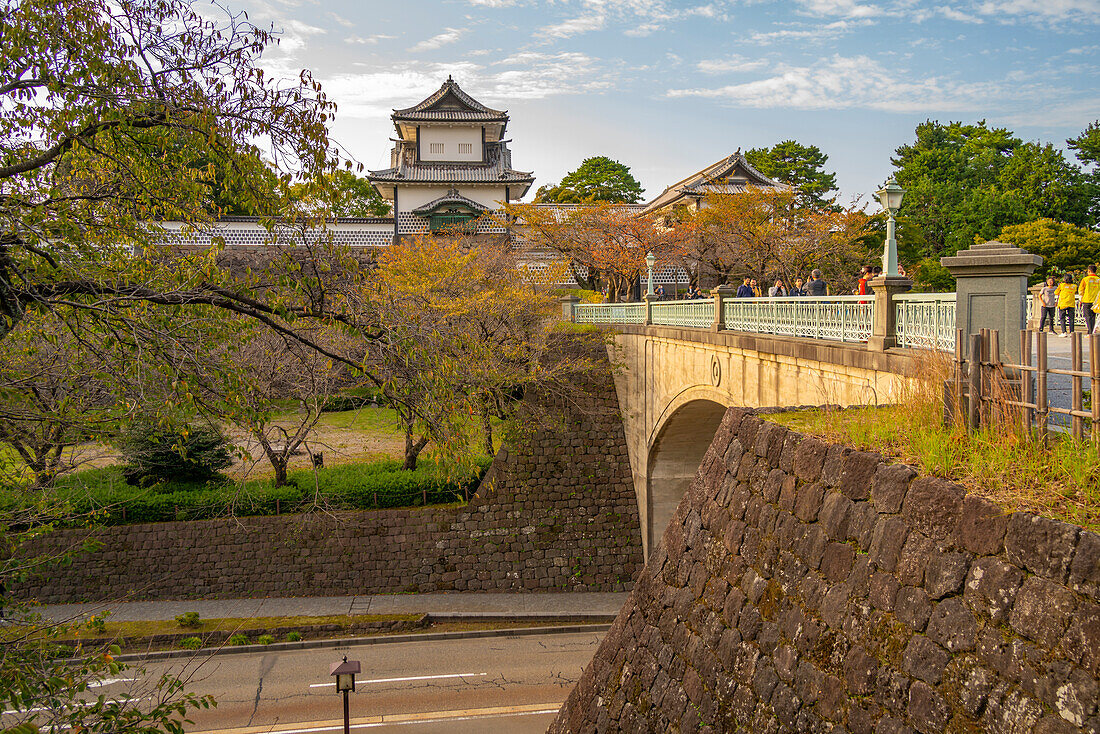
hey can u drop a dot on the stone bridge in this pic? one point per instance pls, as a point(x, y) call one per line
point(674, 385)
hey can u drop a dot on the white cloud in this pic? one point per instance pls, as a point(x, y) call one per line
point(850, 82)
point(843, 8)
point(1042, 10)
point(493, 3)
point(575, 26)
point(734, 63)
point(818, 33)
point(450, 35)
point(368, 40)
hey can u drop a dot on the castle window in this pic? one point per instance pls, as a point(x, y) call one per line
point(466, 148)
point(435, 148)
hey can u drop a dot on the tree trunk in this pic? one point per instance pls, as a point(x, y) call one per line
point(412, 448)
point(279, 464)
point(487, 430)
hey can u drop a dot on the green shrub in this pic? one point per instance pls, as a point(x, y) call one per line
point(189, 620)
point(191, 643)
point(293, 636)
point(97, 623)
point(238, 639)
point(170, 452)
point(265, 639)
point(104, 494)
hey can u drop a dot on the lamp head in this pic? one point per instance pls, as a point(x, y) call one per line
point(651, 260)
point(345, 674)
point(890, 196)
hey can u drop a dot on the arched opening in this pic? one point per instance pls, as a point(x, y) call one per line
point(674, 459)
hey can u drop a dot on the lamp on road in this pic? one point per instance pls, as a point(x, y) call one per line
point(890, 197)
point(650, 261)
point(345, 682)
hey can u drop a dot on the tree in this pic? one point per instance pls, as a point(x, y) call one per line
point(1063, 246)
point(762, 231)
point(1087, 144)
point(968, 181)
point(343, 194)
point(600, 241)
point(95, 101)
point(466, 334)
point(800, 166)
point(597, 179)
point(55, 392)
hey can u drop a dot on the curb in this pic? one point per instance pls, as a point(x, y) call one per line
point(349, 641)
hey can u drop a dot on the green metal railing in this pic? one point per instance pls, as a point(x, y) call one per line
point(833, 318)
point(609, 313)
point(692, 314)
point(926, 320)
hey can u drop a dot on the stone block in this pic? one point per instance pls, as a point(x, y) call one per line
point(809, 458)
point(769, 442)
point(884, 590)
point(932, 505)
point(836, 562)
point(1084, 570)
point(808, 502)
point(925, 659)
point(913, 607)
point(1041, 545)
point(773, 485)
point(982, 526)
point(913, 559)
point(861, 524)
point(952, 625)
point(927, 709)
point(945, 573)
point(1082, 641)
point(833, 465)
point(991, 587)
point(889, 485)
point(1042, 611)
point(860, 671)
point(790, 449)
point(857, 470)
point(834, 515)
point(887, 540)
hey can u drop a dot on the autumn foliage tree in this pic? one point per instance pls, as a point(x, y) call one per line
point(762, 232)
point(601, 243)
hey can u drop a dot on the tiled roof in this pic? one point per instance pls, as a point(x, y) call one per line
point(497, 168)
point(451, 197)
point(709, 180)
point(450, 103)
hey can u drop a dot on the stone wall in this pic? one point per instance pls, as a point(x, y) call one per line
point(557, 512)
point(807, 587)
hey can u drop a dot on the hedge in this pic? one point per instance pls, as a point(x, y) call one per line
point(373, 485)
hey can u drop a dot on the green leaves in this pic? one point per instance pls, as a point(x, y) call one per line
point(800, 166)
point(597, 179)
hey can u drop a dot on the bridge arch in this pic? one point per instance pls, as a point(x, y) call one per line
point(676, 449)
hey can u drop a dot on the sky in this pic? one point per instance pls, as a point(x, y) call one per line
point(668, 87)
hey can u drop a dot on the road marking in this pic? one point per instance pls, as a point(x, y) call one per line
point(429, 717)
point(402, 680)
point(109, 681)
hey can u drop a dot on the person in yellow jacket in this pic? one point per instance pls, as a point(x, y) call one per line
point(1067, 300)
point(1090, 298)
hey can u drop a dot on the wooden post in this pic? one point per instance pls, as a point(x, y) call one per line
point(957, 394)
point(1078, 402)
point(1026, 382)
point(986, 392)
point(974, 383)
point(424, 497)
point(1041, 412)
point(1094, 374)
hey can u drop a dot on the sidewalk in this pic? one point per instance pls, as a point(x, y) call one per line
point(517, 605)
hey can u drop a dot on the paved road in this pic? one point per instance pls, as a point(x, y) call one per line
point(512, 684)
point(1060, 387)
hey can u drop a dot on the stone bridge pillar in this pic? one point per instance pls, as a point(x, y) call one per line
point(991, 285)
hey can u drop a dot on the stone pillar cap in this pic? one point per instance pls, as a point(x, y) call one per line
point(991, 258)
point(570, 298)
point(724, 289)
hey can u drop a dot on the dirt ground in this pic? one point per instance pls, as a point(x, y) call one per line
point(340, 444)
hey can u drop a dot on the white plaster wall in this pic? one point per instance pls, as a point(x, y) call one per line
point(450, 137)
point(411, 197)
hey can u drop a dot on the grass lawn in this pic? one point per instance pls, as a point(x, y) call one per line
point(1061, 480)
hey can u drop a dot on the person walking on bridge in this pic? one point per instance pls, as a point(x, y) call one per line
point(1067, 300)
point(1048, 297)
point(745, 290)
point(1090, 298)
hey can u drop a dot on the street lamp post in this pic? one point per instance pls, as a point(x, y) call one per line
point(650, 261)
point(345, 683)
point(890, 197)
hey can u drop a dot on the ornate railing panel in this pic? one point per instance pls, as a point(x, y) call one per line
point(694, 314)
point(609, 313)
point(926, 320)
point(834, 318)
